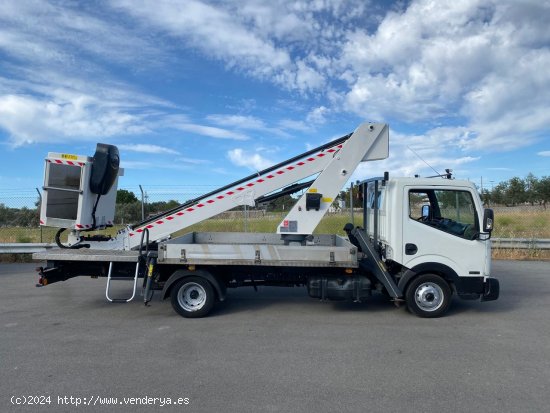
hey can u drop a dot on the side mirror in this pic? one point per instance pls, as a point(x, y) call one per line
point(488, 220)
point(426, 212)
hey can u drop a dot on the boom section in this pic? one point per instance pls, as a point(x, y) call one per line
point(369, 141)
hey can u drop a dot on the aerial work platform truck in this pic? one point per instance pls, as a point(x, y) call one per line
point(423, 240)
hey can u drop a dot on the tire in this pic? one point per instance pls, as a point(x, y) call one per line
point(428, 296)
point(192, 297)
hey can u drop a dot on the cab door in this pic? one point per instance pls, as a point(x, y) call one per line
point(441, 225)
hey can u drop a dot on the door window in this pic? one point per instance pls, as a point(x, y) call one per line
point(447, 210)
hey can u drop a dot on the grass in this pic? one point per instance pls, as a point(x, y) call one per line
point(532, 225)
point(331, 224)
point(525, 224)
point(520, 254)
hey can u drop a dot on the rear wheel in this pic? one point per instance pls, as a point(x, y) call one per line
point(428, 296)
point(192, 297)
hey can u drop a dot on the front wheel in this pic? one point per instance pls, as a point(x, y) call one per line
point(192, 297)
point(428, 296)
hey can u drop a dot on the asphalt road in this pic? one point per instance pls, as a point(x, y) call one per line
point(275, 351)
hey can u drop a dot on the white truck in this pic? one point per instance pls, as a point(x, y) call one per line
point(424, 238)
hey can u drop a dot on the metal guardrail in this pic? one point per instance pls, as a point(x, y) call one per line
point(498, 243)
point(521, 243)
point(25, 248)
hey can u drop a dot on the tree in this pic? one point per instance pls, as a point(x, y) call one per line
point(516, 191)
point(531, 195)
point(498, 194)
point(26, 217)
point(6, 216)
point(542, 190)
point(124, 196)
point(161, 206)
point(128, 213)
point(283, 203)
point(486, 196)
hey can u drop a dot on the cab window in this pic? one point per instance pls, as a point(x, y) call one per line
point(447, 210)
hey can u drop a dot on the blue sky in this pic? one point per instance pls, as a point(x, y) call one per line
point(204, 92)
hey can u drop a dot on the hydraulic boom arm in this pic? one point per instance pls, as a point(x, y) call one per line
point(333, 162)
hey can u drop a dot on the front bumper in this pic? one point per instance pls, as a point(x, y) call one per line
point(477, 288)
point(491, 289)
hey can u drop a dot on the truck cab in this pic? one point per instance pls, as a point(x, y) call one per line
point(432, 226)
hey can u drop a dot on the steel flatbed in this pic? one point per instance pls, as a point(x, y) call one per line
point(87, 255)
point(261, 249)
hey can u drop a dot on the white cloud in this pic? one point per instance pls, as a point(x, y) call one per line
point(250, 123)
point(210, 131)
point(30, 119)
point(510, 110)
point(543, 153)
point(297, 125)
point(253, 161)
point(478, 65)
point(193, 161)
point(307, 78)
point(52, 34)
point(147, 148)
point(317, 115)
point(238, 121)
point(213, 30)
point(424, 154)
point(54, 86)
point(418, 62)
point(263, 40)
point(403, 163)
point(480, 62)
point(56, 108)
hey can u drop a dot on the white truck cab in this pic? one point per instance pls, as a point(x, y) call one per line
point(433, 226)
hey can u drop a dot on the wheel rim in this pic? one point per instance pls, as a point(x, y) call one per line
point(429, 296)
point(192, 297)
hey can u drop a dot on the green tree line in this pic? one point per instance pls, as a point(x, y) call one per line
point(516, 191)
point(18, 217)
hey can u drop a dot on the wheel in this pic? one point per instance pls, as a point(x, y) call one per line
point(428, 296)
point(192, 297)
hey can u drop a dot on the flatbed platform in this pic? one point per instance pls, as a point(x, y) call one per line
point(231, 248)
point(259, 249)
point(87, 255)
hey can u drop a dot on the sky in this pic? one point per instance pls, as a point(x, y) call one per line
point(202, 93)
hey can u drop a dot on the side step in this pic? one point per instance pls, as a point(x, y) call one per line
point(111, 278)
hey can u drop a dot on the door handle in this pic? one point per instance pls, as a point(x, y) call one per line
point(411, 249)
